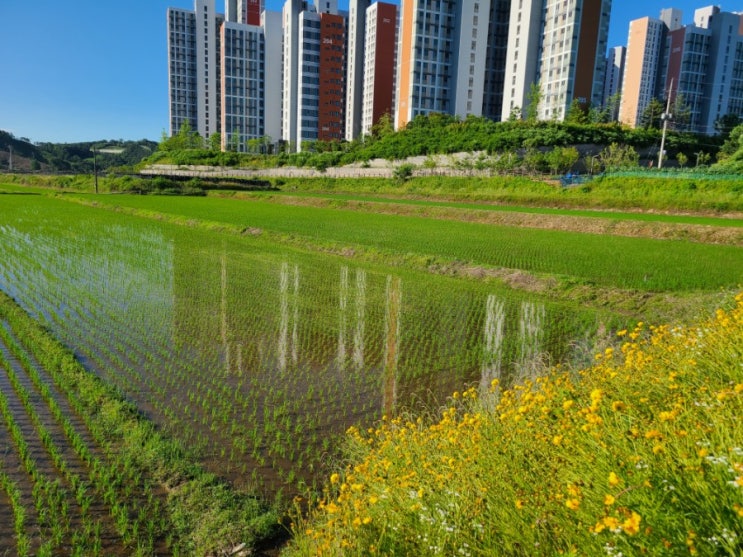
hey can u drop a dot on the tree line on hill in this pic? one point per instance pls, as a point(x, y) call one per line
point(71, 158)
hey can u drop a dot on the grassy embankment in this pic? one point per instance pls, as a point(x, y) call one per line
point(640, 454)
point(652, 192)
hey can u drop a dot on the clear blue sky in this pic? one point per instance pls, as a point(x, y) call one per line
point(85, 70)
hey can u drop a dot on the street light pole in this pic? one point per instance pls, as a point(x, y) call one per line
point(105, 150)
point(666, 116)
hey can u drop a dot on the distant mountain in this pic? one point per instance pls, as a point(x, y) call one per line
point(75, 158)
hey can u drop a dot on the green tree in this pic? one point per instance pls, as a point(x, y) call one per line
point(681, 113)
point(515, 114)
point(186, 138)
point(533, 100)
point(617, 157)
point(682, 159)
point(651, 115)
point(403, 172)
point(215, 141)
point(383, 127)
point(610, 111)
point(576, 113)
point(732, 144)
point(724, 125)
point(562, 159)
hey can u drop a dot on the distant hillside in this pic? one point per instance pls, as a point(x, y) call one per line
point(75, 158)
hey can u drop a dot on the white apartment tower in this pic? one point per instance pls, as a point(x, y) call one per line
point(672, 17)
point(243, 77)
point(522, 56)
point(471, 57)
point(207, 68)
point(355, 66)
point(573, 55)
point(224, 71)
point(182, 91)
point(271, 24)
point(443, 58)
point(614, 75)
point(290, 68)
point(559, 45)
point(193, 67)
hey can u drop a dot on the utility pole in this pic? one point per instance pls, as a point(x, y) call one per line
point(666, 116)
point(95, 168)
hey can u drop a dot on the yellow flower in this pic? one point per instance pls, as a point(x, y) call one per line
point(567, 404)
point(609, 500)
point(632, 525)
point(613, 479)
point(572, 504)
point(367, 520)
point(666, 416)
point(332, 508)
point(557, 439)
point(658, 448)
point(618, 406)
point(520, 504)
point(611, 523)
point(334, 478)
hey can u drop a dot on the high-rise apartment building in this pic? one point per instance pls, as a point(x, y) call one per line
point(495, 60)
point(355, 66)
point(444, 59)
point(705, 65)
point(572, 56)
point(645, 48)
point(699, 65)
point(220, 69)
point(613, 76)
point(315, 73)
point(313, 87)
point(524, 40)
point(193, 62)
point(560, 46)
point(379, 71)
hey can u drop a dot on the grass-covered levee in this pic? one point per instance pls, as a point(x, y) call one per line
point(640, 454)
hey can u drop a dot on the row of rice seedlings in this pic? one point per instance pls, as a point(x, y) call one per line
point(72, 485)
point(138, 447)
point(22, 541)
point(115, 481)
point(50, 499)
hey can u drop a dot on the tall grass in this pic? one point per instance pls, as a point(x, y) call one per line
point(641, 453)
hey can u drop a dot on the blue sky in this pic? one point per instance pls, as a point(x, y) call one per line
point(97, 69)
